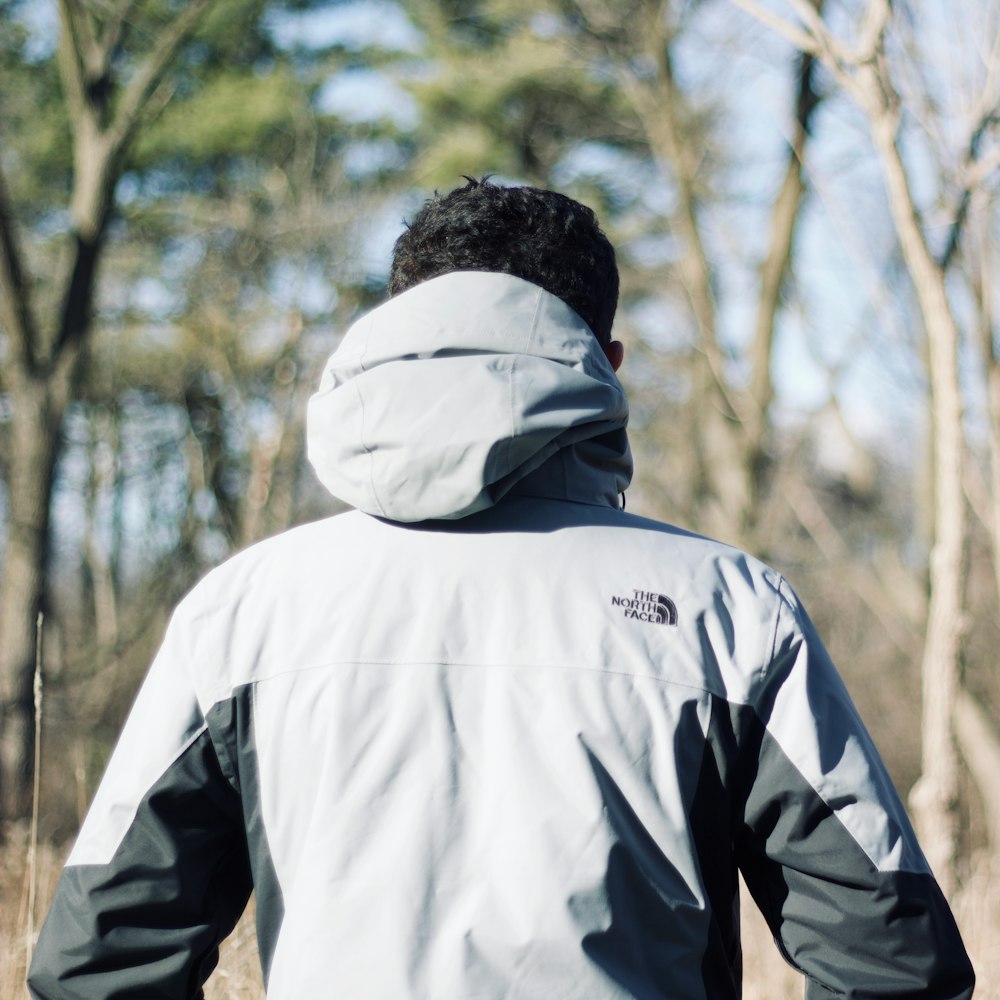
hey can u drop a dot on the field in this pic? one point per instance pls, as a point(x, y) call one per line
point(767, 977)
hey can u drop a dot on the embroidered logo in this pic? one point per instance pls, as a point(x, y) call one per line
point(648, 606)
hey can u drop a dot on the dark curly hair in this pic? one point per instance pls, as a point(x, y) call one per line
point(541, 236)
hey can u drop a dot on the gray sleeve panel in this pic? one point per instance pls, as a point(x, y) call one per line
point(148, 924)
point(852, 930)
point(231, 724)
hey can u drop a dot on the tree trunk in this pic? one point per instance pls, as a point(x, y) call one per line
point(935, 796)
point(980, 744)
point(97, 560)
point(866, 76)
point(45, 356)
point(34, 426)
point(732, 425)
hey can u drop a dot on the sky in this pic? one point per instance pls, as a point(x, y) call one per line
point(826, 343)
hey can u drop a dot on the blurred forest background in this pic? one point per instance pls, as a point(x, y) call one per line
point(198, 196)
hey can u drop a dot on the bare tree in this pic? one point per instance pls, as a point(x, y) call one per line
point(864, 69)
point(730, 433)
point(46, 349)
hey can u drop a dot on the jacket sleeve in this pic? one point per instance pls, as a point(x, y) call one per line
point(826, 848)
point(159, 873)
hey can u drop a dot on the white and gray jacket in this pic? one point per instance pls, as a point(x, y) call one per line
point(488, 736)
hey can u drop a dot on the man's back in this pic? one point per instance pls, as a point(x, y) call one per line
point(511, 756)
point(493, 737)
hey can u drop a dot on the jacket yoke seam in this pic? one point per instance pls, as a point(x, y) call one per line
point(575, 668)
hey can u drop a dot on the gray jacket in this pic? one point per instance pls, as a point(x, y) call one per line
point(488, 735)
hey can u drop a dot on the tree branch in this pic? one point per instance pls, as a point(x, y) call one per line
point(99, 147)
point(81, 31)
point(785, 213)
point(816, 39)
point(74, 319)
point(802, 40)
point(15, 304)
point(973, 178)
point(810, 17)
point(150, 74)
point(113, 30)
point(980, 745)
point(76, 53)
point(876, 20)
point(981, 282)
point(990, 93)
point(983, 168)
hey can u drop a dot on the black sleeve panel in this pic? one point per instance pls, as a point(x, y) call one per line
point(863, 922)
point(148, 924)
point(231, 724)
point(853, 931)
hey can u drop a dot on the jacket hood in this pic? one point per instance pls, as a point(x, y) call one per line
point(463, 389)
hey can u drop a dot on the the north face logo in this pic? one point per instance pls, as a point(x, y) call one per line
point(648, 606)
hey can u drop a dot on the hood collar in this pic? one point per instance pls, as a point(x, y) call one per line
point(463, 389)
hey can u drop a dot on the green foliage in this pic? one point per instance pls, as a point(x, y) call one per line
point(35, 148)
point(508, 98)
point(232, 113)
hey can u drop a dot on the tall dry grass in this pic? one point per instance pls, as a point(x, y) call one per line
point(767, 977)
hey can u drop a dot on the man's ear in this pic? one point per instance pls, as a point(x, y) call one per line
point(614, 351)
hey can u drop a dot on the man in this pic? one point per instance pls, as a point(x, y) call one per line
point(488, 735)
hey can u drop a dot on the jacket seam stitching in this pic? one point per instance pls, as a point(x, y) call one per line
point(596, 671)
point(202, 730)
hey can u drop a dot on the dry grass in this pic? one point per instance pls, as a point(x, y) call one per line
point(238, 974)
point(14, 904)
point(977, 908)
